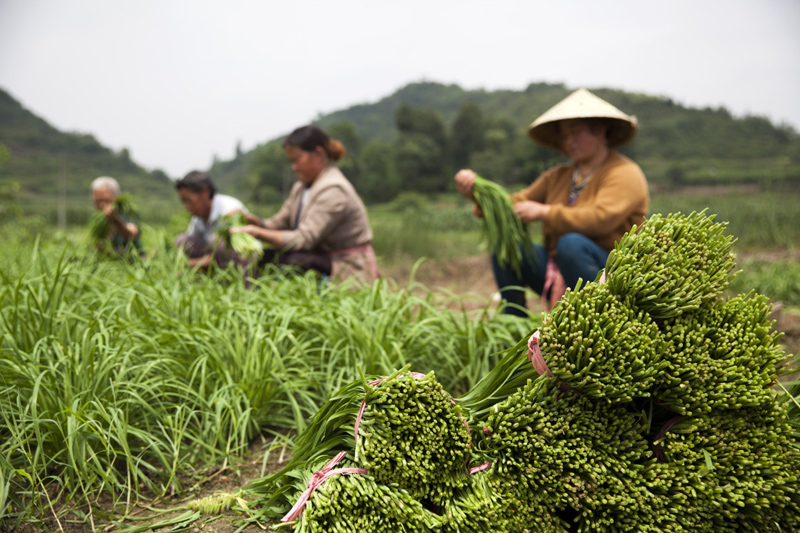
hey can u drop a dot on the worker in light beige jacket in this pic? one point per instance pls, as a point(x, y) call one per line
point(323, 225)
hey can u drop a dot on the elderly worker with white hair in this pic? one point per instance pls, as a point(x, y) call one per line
point(123, 232)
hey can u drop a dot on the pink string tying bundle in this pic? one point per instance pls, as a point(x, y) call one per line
point(480, 468)
point(536, 357)
point(316, 480)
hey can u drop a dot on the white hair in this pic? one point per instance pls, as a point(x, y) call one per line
point(104, 182)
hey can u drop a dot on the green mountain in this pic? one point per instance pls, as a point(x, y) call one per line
point(676, 145)
point(412, 140)
point(40, 163)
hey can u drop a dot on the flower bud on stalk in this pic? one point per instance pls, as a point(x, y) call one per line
point(419, 440)
point(734, 468)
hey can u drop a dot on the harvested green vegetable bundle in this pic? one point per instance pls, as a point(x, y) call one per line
point(723, 356)
point(243, 244)
point(792, 398)
point(597, 345)
point(356, 503)
point(473, 509)
point(411, 435)
point(503, 230)
point(493, 504)
point(415, 436)
point(100, 226)
point(734, 471)
point(672, 265)
point(577, 454)
point(329, 432)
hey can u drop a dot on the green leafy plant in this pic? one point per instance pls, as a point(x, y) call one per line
point(243, 244)
point(99, 225)
point(503, 230)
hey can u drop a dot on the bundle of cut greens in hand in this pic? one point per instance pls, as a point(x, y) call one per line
point(243, 244)
point(503, 230)
point(100, 225)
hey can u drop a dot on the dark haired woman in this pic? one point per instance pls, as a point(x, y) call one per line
point(323, 225)
point(200, 244)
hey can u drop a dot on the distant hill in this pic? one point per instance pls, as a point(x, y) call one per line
point(39, 157)
point(675, 145)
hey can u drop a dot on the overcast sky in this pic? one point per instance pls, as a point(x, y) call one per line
point(178, 81)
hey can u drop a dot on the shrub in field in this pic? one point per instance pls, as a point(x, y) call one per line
point(780, 279)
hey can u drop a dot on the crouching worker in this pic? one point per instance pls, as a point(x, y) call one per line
point(323, 225)
point(200, 243)
point(584, 205)
point(114, 229)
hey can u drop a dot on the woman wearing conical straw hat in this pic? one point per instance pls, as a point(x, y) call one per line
point(585, 205)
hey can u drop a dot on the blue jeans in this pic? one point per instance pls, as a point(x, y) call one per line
point(577, 257)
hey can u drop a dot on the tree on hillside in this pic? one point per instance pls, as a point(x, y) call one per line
point(345, 132)
point(432, 130)
point(529, 160)
point(420, 150)
point(428, 122)
point(378, 181)
point(419, 164)
point(270, 176)
point(467, 134)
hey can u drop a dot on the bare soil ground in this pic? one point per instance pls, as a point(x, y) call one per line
point(470, 277)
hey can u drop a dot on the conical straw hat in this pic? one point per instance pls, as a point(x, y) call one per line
point(582, 104)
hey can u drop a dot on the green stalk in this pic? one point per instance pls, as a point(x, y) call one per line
point(505, 233)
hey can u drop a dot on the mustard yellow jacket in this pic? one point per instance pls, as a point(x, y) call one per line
point(615, 198)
